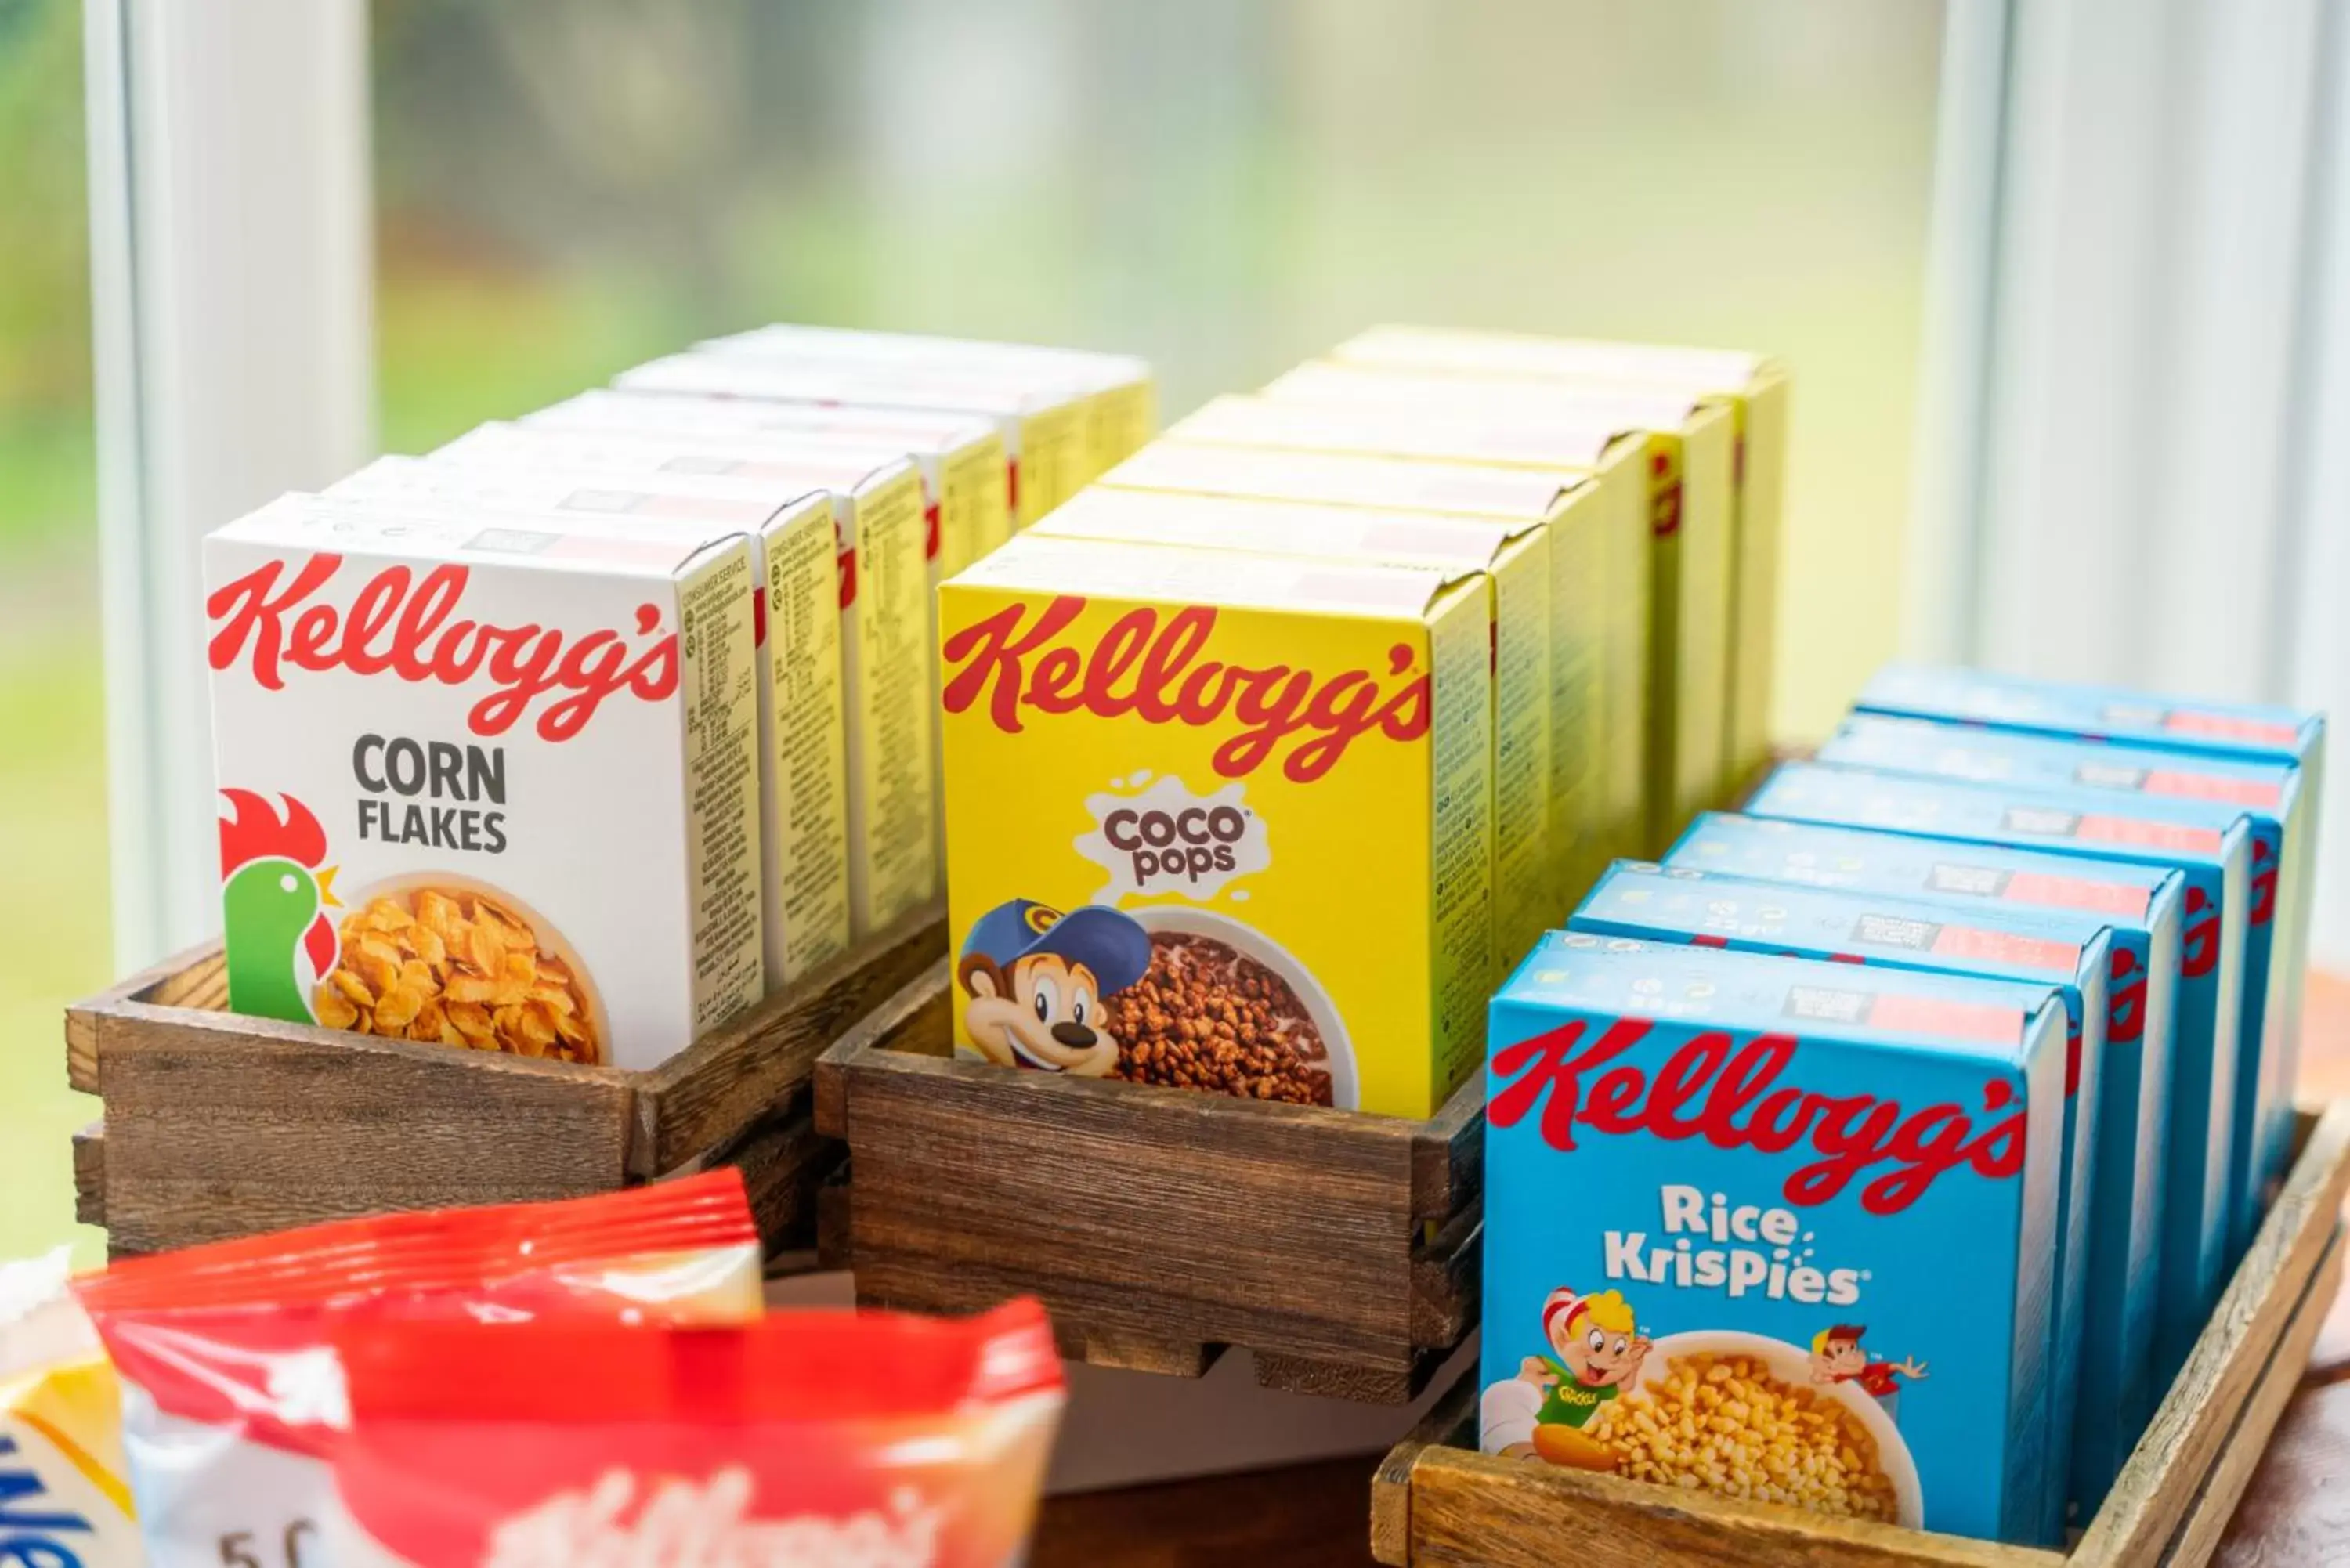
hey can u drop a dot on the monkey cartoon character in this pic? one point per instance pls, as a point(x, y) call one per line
point(1036, 979)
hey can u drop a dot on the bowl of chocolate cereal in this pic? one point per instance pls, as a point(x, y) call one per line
point(1221, 1008)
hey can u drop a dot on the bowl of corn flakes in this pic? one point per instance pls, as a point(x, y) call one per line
point(441, 958)
point(1740, 1414)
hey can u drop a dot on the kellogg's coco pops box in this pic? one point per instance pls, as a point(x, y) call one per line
point(885, 621)
point(422, 731)
point(1781, 1230)
point(2140, 908)
point(1221, 821)
point(2209, 744)
point(2072, 952)
point(2214, 860)
point(803, 711)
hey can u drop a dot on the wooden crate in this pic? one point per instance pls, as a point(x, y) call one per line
point(218, 1125)
point(1160, 1225)
point(1436, 1504)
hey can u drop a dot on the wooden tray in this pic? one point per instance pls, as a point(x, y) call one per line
point(1436, 1504)
point(1160, 1225)
point(218, 1125)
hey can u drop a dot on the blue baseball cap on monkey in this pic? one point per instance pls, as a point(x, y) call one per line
point(1110, 943)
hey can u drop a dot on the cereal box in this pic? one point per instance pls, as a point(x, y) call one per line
point(1533, 878)
point(1044, 433)
point(1221, 821)
point(803, 723)
point(2140, 907)
point(2240, 732)
point(1121, 395)
point(966, 477)
point(2070, 952)
point(1687, 452)
point(424, 730)
point(1777, 1229)
point(1592, 518)
point(1752, 390)
point(2216, 864)
point(893, 827)
point(2268, 792)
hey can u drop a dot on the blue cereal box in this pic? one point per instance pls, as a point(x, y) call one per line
point(2072, 952)
point(2140, 907)
point(2208, 747)
point(2216, 863)
point(1778, 1229)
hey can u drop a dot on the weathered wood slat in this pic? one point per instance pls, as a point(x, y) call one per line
point(89, 1173)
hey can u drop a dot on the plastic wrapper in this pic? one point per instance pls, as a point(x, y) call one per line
point(232, 1397)
point(816, 1440)
point(64, 1501)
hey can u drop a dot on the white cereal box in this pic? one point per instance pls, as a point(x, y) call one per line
point(803, 722)
point(893, 866)
point(426, 733)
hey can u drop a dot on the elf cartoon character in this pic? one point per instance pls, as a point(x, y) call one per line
point(1596, 1352)
point(1036, 978)
point(1837, 1357)
point(274, 895)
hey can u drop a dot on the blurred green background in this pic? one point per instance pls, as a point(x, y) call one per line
point(565, 187)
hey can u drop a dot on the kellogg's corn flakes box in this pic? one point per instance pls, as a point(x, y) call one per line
point(1777, 1229)
point(803, 703)
point(2214, 858)
point(1752, 388)
point(1221, 821)
point(1591, 520)
point(894, 831)
point(1687, 454)
point(1533, 877)
point(2141, 907)
point(2072, 952)
point(2203, 738)
point(1044, 433)
point(425, 729)
point(1121, 394)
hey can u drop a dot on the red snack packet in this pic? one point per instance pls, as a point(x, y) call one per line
point(811, 1439)
point(232, 1396)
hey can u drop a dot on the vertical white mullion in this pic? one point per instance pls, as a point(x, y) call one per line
point(232, 282)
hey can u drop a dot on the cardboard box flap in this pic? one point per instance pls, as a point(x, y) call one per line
point(849, 470)
point(604, 408)
point(373, 525)
point(850, 345)
point(1499, 436)
point(1284, 527)
point(1040, 562)
point(1404, 483)
point(1584, 412)
point(1662, 364)
point(791, 380)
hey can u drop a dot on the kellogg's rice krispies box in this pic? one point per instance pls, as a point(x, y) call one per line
point(2215, 861)
point(2141, 907)
point(803, 704)
point(1121, 395)
point(1752, 388)
point(1687, 452)
point(2268, 792)
point(877, 498)
point(1779, 1229)
point(2072, 952)
point(1533, 876)
point(1593, 520)
point(1221, 821)
point(2236, 732)
point(1045, 437)
point(424, 728)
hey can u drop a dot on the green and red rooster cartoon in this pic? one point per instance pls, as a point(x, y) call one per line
point(274, 897)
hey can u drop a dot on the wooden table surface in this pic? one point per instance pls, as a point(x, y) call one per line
point(2296, 1515)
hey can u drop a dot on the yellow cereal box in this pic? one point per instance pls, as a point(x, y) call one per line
point(877, 510)
point(1595, 519)
point(1221, 821)
point(1534, 879)
point(1045, 431)
point(1121, 396)
point(1688, 460)
point(803, 727)
point(1753, 388)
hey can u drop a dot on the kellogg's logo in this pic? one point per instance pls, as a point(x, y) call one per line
point(1153, 669)
point(399, 626)
point(1711, 1088)
point(32, 1531)
point(684, 1521)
